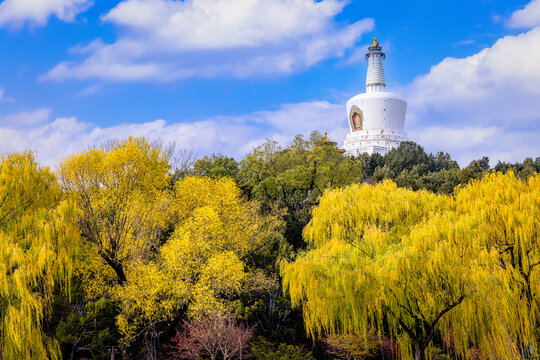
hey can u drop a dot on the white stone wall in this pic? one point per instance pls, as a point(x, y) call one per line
point(372, 141)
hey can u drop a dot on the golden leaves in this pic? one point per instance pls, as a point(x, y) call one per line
point(420, 262)
point(37, 240)
point(123, 198)
point(201, 264)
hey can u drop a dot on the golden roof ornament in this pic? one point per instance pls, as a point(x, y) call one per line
point(375, 43)
point(327, 140)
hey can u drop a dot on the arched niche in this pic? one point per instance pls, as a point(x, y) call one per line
point(356, 118)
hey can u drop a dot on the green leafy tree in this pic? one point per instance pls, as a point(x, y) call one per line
point(407, 155)
point(443, 161)
point(295, 177)
point(443, 181)
point(215, 166)
point(370, 163)
point(85, 328)
point(410, 166)
point(475, 170)
point(523, 170)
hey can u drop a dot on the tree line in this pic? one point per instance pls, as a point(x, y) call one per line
point(130, 249)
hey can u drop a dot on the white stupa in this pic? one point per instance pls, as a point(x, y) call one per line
point(376, 117)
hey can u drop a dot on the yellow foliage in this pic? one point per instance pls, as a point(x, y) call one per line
point(150, 296)
point(123, 200)
point(201, 265)
point(422, 264)
point(37, 240)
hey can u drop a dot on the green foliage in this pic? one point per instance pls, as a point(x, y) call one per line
point(410, 166)
point(523, 170)
point(87, 328)
point(293, 178)
point(215, 166)
point(475, 170)
point(265, 350)
point(406, 156)
point(264, 304)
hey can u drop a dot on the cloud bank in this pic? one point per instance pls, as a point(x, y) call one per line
point(53, 139)
point(167, 40)
point(17, 13)
point(527, 17)
point(484, 104)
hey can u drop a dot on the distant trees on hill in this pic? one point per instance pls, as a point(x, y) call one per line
point(293, 178)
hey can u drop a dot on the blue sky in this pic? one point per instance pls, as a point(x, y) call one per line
point(223, 75)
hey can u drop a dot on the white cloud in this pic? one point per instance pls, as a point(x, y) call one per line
point(24, 119)
point(231, 135)
point(527, 17)
point(472, 142)
point(484, 104)
point(165, 40)
point(15, 13)
point(220, 24)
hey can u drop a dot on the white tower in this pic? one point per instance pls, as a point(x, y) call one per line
point(376, 117)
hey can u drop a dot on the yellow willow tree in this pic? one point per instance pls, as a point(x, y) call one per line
point(509, 213)
point(122, 196)
point(384, 256)
point(201, 267)
point(38, 238)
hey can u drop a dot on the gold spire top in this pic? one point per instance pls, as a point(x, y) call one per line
point(327, 140)
point(375, 43)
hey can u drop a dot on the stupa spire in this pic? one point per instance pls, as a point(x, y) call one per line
point(375, 81)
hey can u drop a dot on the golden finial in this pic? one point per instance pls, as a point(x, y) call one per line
point(375, 43)
point(325, 134)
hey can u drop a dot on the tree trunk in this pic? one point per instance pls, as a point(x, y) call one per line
point(419, 350)
point(151, 344)
point(117, 267)
point(120, 274)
